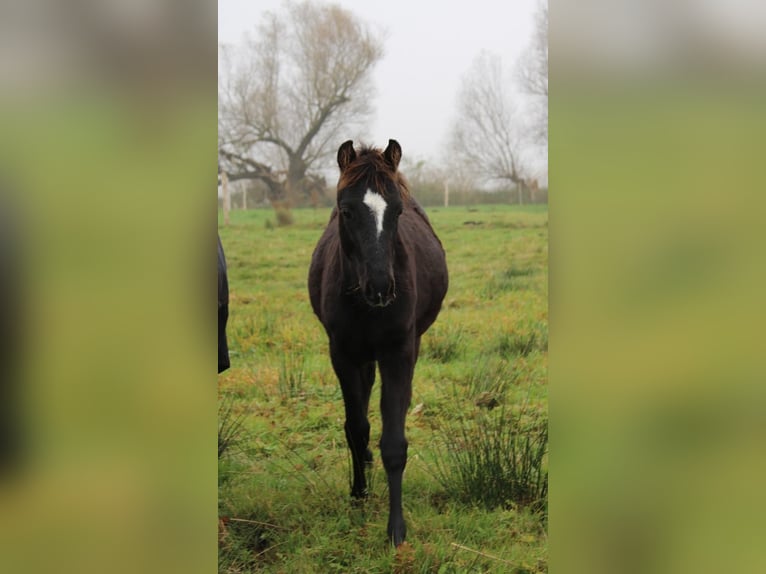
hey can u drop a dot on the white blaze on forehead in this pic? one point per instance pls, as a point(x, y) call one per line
point(377, 206)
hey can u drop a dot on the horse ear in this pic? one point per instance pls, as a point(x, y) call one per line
point(346, 154)
point(393, 154)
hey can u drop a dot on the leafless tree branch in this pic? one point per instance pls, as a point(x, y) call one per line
point(532, 72)
point(286, 95)
point(486, 135)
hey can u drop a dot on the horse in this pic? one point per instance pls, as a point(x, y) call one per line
point(223, 311)
point(377, 280)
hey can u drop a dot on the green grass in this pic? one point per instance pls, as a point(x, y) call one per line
point(495, 459)
point(284, 490)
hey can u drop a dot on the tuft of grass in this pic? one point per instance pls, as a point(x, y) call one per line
point(489, 379)
point(516, 343)
point(242, 330)
point(230, 427)
point(242, 542)
point(524, 341)
point(514, 278)
point(267, 323)
point(495, 459)
point(444, 344)
point(292, 375)
point(249, 332)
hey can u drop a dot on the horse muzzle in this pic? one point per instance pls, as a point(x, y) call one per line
point(379, 294)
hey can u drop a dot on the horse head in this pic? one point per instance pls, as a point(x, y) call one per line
point(371, 196)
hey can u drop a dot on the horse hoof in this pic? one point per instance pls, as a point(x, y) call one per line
point(359, 494)
point(397, 533)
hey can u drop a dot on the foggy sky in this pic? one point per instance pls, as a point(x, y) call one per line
point(428, 47)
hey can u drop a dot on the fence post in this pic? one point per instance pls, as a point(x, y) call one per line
point(226, 198)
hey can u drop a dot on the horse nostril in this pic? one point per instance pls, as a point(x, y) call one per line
point(378, 295)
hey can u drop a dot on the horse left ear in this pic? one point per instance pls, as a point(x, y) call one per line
point(346, 154)
point(393, 154)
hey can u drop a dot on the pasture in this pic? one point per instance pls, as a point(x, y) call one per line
point(284, 475)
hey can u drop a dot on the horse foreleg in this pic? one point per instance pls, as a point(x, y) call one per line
point(356, 383)
point(396, 372)
point(368, 380)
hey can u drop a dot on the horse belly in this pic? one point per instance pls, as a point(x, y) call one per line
point(433, 282)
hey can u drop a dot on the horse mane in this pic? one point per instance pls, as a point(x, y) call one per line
point(370, 164)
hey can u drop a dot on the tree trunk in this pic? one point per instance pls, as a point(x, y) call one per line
point(446, 193)
point(296, 174)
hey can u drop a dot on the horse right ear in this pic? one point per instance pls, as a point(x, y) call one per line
point(393, 154)
point(346, 154)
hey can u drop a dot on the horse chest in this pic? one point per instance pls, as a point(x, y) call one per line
point(358, 328)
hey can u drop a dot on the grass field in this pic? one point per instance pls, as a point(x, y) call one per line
point(284, 477)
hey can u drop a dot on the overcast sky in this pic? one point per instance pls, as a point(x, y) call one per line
point(428, 46)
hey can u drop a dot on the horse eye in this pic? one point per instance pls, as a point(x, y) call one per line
point(345, 212)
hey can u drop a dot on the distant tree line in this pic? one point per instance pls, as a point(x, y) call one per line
point(429, 193)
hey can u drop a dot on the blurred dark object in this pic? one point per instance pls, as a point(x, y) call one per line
point(10, 333)
point(223, 311)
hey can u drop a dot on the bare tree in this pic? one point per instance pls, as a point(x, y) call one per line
point(532, 73)
point(285, 96)
point(487, 137)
